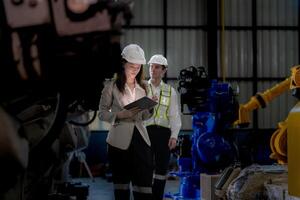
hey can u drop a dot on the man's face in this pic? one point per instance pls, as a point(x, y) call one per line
point(157, 71)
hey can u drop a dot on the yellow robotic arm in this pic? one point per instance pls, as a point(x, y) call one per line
point(260, 100)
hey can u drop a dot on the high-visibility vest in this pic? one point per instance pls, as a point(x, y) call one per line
point(160, 116)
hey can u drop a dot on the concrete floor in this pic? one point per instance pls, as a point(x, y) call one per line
point(100, 189)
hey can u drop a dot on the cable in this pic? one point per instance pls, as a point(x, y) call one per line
point(60, 114)
point(84, 123)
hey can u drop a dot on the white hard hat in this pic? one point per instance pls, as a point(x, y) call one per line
point(134, 53)
point(158, 59)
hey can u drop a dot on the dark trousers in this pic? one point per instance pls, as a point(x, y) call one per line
point(132, 165)
point(159, 137)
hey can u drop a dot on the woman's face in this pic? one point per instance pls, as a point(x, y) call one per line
point(131, 70)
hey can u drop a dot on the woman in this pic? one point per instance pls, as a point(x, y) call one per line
point(128, 141)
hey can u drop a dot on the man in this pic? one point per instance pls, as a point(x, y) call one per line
point(164, 125)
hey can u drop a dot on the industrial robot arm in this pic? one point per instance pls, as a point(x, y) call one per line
point(260, 100)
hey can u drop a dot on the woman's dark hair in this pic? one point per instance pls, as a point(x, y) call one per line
point(120, 78)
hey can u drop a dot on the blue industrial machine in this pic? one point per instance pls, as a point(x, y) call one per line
point(213, 108)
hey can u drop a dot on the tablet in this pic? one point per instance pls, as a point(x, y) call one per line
point(142, 103)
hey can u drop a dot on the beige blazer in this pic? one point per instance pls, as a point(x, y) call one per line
point(121, 131)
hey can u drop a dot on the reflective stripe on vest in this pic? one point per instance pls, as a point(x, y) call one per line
point(160, 116)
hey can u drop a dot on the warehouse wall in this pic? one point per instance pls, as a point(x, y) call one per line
point(261, 44)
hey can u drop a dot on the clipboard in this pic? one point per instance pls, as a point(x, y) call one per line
point(142, 103)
